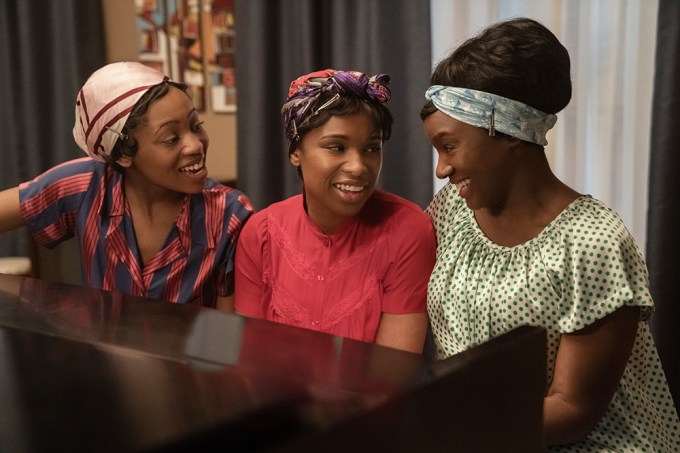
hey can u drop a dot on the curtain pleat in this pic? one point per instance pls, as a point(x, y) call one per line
point(278, 41)
point(47, 49)
point(600, 144)
point(663, 219)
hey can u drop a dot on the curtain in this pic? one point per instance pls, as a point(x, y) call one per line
point(47, 50)
point(278, 41)
point(600, 144)
point(663, 230)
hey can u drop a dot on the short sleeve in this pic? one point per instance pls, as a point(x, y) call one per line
point(603, 269)
point(51, 202)
point(405, 285)
point(249, 266)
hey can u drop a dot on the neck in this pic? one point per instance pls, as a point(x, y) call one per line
point(150, 200)
point(535, 197)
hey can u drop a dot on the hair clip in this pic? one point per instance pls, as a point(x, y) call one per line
point(335, 97)
point(123, 137)
point(492, 124)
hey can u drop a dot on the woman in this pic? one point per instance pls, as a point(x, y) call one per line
point(342, 257)
point(517, 246)
point(148, 220)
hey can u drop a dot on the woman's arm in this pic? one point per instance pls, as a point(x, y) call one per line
point(588, 369)
point(10, 214)
point(248, 285)
point(402, 331)
point(225, 304)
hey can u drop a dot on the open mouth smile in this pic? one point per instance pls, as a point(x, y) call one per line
point(349, 188)
point(195, 168)
point(462, 184)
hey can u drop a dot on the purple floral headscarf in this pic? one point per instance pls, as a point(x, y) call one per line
point(305, 90)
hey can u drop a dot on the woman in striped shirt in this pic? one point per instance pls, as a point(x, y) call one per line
point(147, 218)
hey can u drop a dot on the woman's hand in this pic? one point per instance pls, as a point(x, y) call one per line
point(588, 369)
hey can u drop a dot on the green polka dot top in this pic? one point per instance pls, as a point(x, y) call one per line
point(580, 268)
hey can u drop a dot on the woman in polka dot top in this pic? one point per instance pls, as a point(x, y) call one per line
point(516, 246)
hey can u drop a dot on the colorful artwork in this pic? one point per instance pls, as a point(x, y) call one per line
point(220, 55)
point(193, 42)
point(152, 40)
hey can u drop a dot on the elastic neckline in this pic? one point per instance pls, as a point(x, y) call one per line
point(549, 228)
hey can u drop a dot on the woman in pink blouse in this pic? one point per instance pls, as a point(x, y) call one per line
point(342, 257)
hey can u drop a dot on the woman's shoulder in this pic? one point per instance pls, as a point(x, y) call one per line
point(76, 174)
point(77, 166)
point(399, 219)
point(284, 211)
point(446, 202)
point(588, 216)
point(217, 195)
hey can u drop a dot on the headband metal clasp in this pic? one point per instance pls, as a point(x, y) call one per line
point(492, 123)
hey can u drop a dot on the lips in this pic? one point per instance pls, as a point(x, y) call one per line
point(462, 186)
point(461, 183)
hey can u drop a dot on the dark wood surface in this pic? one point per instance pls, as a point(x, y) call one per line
point(88, 370)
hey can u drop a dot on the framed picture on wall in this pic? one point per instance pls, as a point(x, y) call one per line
point(220, 56)
point(193, 42)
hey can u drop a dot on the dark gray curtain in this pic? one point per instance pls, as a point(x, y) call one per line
point(663, 218)
point(47, 50)
point(277, 41)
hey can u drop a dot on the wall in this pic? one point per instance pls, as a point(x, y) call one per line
point(120, 28)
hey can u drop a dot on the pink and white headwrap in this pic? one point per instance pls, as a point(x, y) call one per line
point(104, 104)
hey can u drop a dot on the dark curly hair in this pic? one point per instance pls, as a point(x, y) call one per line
point(519, 59)
point(136, 119)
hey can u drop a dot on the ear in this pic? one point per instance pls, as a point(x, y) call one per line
point(295, 158)
point(125, 161)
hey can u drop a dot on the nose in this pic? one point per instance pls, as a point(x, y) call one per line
point(443, 169)
point(354, 163)
point(194, 143)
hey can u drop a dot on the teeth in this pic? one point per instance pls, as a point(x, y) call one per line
point(193, 168)
point(349, 188)
point(463, 184)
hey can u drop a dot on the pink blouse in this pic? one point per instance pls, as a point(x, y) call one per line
point(380, 261)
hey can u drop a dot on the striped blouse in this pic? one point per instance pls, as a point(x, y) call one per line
point(84, 198)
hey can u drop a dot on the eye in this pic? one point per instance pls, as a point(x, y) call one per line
point(172, 140)
point(198, 127)
point(377, 148)
point(335, 147)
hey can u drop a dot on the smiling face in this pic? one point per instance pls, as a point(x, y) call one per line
point(340, 163)
point(480, 166)
point(171, 147)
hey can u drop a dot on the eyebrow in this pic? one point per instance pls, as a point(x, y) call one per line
point(173, 121)
point(373, 136)
point(439, 135)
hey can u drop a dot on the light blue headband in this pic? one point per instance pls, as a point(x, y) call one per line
point(492, 112)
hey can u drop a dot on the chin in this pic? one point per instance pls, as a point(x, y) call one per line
point(194, 189)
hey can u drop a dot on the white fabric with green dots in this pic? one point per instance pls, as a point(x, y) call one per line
point(581, 267)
